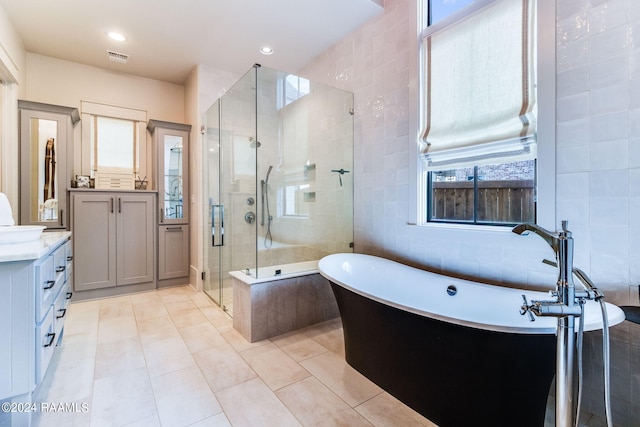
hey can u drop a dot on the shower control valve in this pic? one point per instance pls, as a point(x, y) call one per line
point(250, 217)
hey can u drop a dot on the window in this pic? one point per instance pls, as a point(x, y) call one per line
point(111, 137)
point(291, 88)
point(114, 144)
point(479, 147)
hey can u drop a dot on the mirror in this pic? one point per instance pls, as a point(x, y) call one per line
point(173, 177)
point(44, 180)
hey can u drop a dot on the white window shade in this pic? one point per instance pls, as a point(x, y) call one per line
point(480, 100)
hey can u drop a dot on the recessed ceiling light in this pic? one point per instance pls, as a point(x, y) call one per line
point(116, 36)
point(266, 50)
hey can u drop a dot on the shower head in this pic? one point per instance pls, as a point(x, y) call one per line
point(254, 143)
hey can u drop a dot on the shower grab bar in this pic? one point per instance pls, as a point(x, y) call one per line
point(213, 225)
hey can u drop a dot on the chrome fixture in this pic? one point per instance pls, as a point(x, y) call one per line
point(264, 184)
point(568, 305)
point(341, 172)
point(250, 217)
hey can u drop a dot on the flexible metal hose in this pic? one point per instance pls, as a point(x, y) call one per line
point(580, 344)
point(606, 362)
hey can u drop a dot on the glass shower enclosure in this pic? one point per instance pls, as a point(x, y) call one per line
point(278, 178)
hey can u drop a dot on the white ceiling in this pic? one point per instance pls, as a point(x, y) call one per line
point(167, 38)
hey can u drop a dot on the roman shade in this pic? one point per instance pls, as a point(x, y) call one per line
point(479, 92)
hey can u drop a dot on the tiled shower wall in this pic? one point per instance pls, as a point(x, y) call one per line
point(597, 166)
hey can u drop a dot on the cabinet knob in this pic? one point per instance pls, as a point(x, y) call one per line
point(69, 295)
point(60, 268)
point(63, 311)
point(49, 284)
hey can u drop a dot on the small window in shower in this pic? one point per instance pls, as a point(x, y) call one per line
point(291, 88)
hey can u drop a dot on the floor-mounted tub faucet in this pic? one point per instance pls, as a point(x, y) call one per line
point(565, 308)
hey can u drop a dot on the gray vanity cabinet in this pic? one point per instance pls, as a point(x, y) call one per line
point(46, 159)
point(114, 238)
point(171, 152)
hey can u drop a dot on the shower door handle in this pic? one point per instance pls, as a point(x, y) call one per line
point(217, 230)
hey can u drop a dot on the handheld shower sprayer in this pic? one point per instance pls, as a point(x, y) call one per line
point(265, 207)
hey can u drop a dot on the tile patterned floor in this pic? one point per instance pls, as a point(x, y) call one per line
point(172, 358)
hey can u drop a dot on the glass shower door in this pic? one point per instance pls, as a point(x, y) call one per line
point(213, 205)
point(229, 169)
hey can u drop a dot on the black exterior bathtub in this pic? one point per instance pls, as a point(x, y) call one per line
point(453, 375)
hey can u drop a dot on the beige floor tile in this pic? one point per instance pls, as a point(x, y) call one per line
point(332, 341)
point(116, 357)
point(150, 421)
point(117, 329)
point(185, 304)
point(122, 399)
point(237, 341)
point(315, 405)
point(386, 410)
point(342, 379)
point(274, 366)
point(201, 337)
point(113, 308)
point(91, 306)
point(156, 329)
point(82, 321)
point(78, 346)
point(217, 317)
point(188, 317)
point(173, 296)
point(223, 367)
point(167, 355)
point(298, 346)
point(183, 397)
point(67, 382)
point(201, 300)
point(78, 416)
point(219, 420)
point(144, 298)
point(252, 403)
point(149, 310)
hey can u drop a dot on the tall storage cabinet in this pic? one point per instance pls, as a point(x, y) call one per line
point(171, 151)
point(46, 159)
point(114, 241)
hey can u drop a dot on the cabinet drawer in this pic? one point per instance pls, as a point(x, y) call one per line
point(69, 257)
point(60, 309)
point(45, 344)
point(60, 261)
point(45, 279)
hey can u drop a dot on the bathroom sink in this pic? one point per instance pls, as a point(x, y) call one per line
point(20, 233)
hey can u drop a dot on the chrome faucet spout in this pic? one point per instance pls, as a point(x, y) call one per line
point(551, 238)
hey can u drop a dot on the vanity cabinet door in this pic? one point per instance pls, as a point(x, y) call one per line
point(114, 239)
point(135, 240)
point(94, 240)
point(173, 251)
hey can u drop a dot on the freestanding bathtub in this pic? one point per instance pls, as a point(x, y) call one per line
point(456, 351)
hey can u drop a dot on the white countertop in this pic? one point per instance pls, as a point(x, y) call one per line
point(33, 250)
